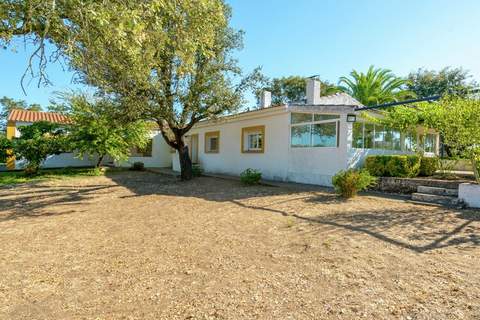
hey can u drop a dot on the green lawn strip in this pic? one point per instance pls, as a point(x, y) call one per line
point(16, 177)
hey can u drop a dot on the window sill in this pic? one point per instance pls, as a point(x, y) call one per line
point(252, 151)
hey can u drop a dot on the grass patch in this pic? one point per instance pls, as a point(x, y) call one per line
point(16, 177)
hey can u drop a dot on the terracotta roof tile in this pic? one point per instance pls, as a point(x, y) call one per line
point(35, 116)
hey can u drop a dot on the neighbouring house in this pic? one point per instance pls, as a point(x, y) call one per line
point(156, 154)
point(304, 142)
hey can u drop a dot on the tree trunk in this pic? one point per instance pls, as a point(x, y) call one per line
point(475, 169)
point(99, 162)
point(185, 163)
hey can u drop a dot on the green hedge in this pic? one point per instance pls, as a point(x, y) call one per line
point(401, 165)
point(429, 166)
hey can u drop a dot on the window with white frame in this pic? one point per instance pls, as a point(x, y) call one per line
point(314, 130)
point(376, 136)
point(253, 139)
point(430, 143)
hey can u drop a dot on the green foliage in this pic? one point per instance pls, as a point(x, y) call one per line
point(375, 87)
point(292, 89)
point(393, 165)
point(167, 61)
point(348, 183)
point(428, 166)
point(250, 176)
point(98, 129)
point(5, 147)
point(138, 166)
point(455, 118)
point(37, 141)
point(448, 81)
point(196, 170)
point(16, 177)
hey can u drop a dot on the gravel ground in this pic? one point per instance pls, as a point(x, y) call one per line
point(144, 246)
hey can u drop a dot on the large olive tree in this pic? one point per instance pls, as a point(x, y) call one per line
point(167, 60)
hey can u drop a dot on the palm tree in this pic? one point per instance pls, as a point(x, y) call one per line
point(377, 86)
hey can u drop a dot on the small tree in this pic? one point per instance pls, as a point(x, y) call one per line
point(37, 142)
point(97, 129)
point(452, 81)
point(292, 89)
point(456, 119)
point(5, 148)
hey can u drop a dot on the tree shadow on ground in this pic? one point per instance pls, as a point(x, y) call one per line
point(419, 228)
point(34, 199)
point(415, 227)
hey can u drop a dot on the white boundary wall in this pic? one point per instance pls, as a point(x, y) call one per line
point(470, 194)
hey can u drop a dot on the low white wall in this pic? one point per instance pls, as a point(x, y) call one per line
point(61, 161)
point(175, 162)
point(470, 194)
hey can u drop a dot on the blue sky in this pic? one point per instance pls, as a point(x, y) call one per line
point(325, 37)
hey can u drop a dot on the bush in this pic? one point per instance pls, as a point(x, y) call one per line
point(348, 183)
point(196, 170)
point(428, 166)
point(138, 166)
point(393, 165)
point(250, 176)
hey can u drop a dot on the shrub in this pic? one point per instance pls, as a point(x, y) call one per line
point(428, 166)
point(196, 170)
point(250, 176)
point(348, 183)
point(138, 166)
point(37, 141)
point(393, 165)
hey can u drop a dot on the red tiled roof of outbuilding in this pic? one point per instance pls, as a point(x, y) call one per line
point(35, 116)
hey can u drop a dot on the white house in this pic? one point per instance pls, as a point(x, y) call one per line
point(304, 142)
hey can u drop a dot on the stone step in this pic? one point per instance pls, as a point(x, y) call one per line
point(438, 191)
point(439, 199)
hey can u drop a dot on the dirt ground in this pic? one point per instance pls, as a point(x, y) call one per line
point(145, 246)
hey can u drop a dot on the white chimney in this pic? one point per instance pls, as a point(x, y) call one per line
point(313, 91)
point(265, 99)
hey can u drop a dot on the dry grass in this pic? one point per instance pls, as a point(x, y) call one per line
point(137, 245)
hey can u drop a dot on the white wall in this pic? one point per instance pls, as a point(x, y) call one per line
point(470, 194)
point(160, 158)
point(314, 165)
point(317, 165)
point(273, 163)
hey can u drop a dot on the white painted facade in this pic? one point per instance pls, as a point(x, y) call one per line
point(277, 159)
point(280, 161)
point(160, 158)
